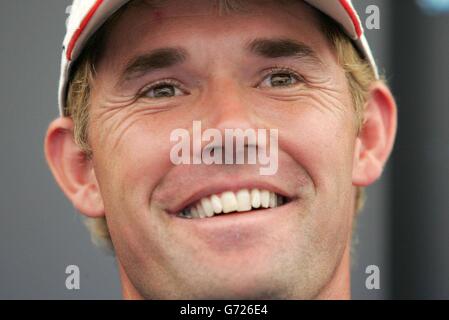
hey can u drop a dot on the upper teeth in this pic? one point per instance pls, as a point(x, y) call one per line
point(226, 202)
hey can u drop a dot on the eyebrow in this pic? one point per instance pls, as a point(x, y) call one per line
point(154, 60)
point(171, 56)
point(282, 48)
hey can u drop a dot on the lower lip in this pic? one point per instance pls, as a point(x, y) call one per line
point(237, 229)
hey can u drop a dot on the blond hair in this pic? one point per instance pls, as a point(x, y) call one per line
point(359, 73)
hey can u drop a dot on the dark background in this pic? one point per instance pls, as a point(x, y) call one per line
point(404, 229)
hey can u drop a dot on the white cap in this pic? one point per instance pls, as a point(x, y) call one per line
point(86, 16)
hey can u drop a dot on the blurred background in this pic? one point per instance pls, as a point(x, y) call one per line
point(404, 229)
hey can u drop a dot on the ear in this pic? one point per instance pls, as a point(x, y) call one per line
point(375, 141)
point(72, 170)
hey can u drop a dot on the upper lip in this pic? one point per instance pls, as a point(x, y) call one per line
point(200, 191)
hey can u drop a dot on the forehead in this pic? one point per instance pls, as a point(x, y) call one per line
point(156, 12)
point(147, 24)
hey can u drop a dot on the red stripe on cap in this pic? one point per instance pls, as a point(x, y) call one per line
point(352, 14)
point(81, 28)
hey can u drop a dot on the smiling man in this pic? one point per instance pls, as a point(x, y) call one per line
point(133, 72)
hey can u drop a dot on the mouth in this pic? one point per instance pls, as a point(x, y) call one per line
point(231, 202)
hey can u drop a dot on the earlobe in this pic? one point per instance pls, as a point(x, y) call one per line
point(376, 138)
point(72, 170)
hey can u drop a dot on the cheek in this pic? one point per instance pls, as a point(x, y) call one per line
point(321, 140)
point(131, 164)
point(322, 143)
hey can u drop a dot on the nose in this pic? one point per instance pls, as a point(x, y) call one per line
point(228, 110)
point(228, 106)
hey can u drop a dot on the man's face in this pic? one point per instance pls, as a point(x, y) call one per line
point(226, 75)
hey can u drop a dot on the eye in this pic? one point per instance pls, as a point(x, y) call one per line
point(280, 78)
point(162, 89)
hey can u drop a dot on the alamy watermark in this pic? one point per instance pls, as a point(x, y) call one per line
point(372, 282)
point(72, 281)
point(237, 146)
point(372, 21)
